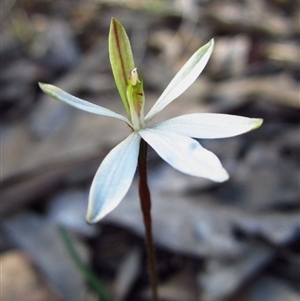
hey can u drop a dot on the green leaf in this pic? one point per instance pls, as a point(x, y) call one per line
point(121, 58)
point(89, 275)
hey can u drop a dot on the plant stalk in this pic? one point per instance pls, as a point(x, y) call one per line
point(145, 199)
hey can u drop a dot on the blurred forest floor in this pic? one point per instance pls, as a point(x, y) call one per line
point(237, 241)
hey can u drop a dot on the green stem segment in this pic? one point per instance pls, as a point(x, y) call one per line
point(146, 209)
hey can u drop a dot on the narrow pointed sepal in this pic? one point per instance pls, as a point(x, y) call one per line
point(113, 178)
point(185, 154)
point(183, 79)
point(210, 125)
point(78, 103)
point(121, 58)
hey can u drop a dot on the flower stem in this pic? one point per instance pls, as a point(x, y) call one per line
point(146, 209)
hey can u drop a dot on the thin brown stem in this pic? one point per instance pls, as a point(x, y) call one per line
point(146, 209)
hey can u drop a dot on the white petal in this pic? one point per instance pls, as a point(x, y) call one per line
point(184, 78)
point(113, 178)
point(78, 103)
point(185, 154)
point(206, 125)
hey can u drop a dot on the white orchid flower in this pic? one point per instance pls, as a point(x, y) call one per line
point(171, 139)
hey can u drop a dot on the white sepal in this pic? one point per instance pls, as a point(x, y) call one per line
point(185, 154)
point(208, 125)
point(183, 79)
point(78, 103)
point(113, 178)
